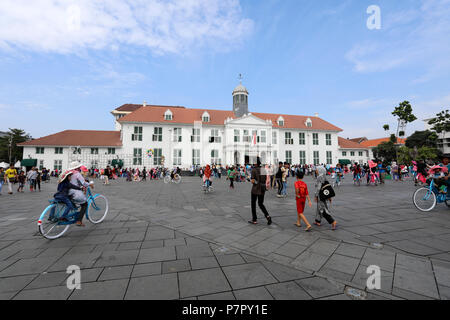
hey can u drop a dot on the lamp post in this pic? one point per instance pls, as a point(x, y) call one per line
point(10, 148)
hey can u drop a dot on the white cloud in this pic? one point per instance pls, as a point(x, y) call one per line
point(171, 26)
point(413, 37)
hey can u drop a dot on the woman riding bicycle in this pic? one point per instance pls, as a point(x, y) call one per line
point(78, 196)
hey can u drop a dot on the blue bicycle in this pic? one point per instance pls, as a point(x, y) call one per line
point(425, 198)
point(51, 227)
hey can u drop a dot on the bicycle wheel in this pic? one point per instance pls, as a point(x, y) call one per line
point(97, 209)
point(177, 179)
point(424, 199)
point(49, 225)
point(166, 179)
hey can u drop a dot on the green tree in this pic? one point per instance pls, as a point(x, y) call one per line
point(404, 155)
point(441, 122)
point(404, 115)
point(386, 127)
point(385, 151)
point(13, 152)
point(422, 138)
point(427, 153)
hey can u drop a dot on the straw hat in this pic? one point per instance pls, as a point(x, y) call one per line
point(74, 165)
point(64, 175)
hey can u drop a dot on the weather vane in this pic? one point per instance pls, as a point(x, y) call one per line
point(240, 77)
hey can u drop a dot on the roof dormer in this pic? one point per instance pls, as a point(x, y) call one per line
point(308, 123)
point(280, 121)
point(168, 115)
point(206, 117)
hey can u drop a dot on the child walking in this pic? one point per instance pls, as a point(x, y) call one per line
point(301, 194)
point(22, 178)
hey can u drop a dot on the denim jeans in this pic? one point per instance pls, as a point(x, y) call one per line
point(284, 190)
point(1, 186)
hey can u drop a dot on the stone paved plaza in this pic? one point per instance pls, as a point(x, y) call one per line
point(168, 241)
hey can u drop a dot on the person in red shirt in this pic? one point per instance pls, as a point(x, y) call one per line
point(301, 194)
point(207, 175)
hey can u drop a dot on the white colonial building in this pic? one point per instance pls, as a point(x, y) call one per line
point(153, 135)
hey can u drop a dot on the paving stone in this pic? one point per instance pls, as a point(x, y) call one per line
point(174, 242)
point(309, 260)
point(291, 250)
point(248, 275)
point(175, 266)
point(117, 258)
point(193, 251)
point(152, 244)
point(361, 276)
point(419, 283)
point(51, 293)
point(218, 296)
point(283, 273)
point(129, 246)
point(320, 287)
point(156, 254)
point(258, 293)
point(342, 263)
point(351, 250)
point(52, 279)
point(230, 259)
point(14, 284)
point(287, 291)
point(203, 262)
point(146, 269)
point(108, 290)
point(114, 273)
point(202, 282)
point(129, 237)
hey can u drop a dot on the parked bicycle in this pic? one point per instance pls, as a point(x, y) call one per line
point(176, 178)
point(51, 227)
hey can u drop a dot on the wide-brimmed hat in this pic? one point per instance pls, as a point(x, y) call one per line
point(74, 165)
point(64, 175)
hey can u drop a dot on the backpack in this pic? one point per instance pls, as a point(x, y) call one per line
point(326, 191)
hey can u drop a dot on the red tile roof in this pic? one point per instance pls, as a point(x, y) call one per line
point(133, 107)
point(84, 138)
point(349, 144)
point(218, 117)
point(376, 142)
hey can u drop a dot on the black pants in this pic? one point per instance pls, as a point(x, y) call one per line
point(82, 212)
point(260, 199)
point(38, 183)
point(280, 185)
point(232, 183)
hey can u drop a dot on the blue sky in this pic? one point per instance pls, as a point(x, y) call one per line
point(67, 64)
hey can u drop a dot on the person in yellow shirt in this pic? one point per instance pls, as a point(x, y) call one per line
point(11, 176)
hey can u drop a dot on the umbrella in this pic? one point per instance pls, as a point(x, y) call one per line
point(372, 164)
point(434, 168)
point(17, 165)
point(4, 165)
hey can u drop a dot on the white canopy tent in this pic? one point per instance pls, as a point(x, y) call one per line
point(4, 165)
point(17, 165)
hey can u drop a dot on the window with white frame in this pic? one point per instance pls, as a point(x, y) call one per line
point(205, 117)
point(360, 153)
point(274, 137)
point(237, 135)
point(195, 135)
point(280, 121)
point(177, 135)
point(157, 157)
point(352, 153)
point(263, 136)
point(111, 150)
point(289, 156)
point(137, 156)
point(328, 139)
point(57, 165)
point(94, 164)
point(214, 138)
point(329, 157)
point(316, 158)
point(302, 157)
point(344, 153)
point(168, 115)
point(39, 150)
point(288, 138)
point(177, 157)
point(315, 139)
point(275, 156)
point(246, 137)
point(137, 135)
point(157, 134)
point(301, 138)
point(41, 164)
point(58, 150)
point(308, 123)
point(94, 150)
point(195, 157)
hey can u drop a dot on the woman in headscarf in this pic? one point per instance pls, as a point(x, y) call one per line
point(322, 206)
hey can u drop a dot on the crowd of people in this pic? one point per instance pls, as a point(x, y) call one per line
point(17, 176)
